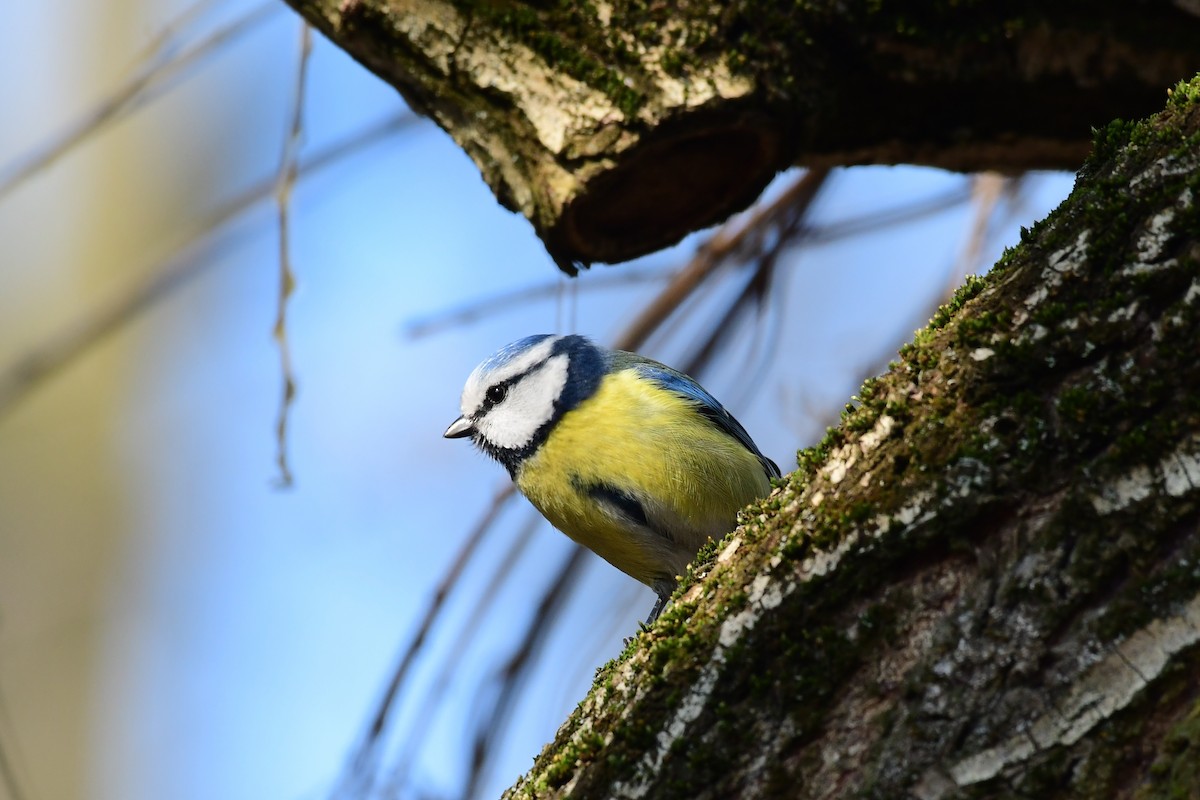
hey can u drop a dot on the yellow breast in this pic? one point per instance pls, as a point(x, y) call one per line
point(650, 444)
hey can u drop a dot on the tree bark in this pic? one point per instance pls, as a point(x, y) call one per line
point(617, 128)
point(986, 582)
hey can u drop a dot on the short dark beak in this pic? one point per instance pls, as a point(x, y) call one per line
point(459, 428)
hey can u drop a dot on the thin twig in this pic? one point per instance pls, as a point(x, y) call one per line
point(127, 97)
point(284, 184)
point(764, 345)
point(787, 215)
point(165, 42)
point(986, 190)
point(577, 666)
point(875, 221)
point(51, 355)
point(728, 240)
point(695, 271)
point(418, 731)
point(516, 671)
point(500, 303)
point(358, 775)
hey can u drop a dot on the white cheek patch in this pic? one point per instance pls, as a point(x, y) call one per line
point(528, 406)
point(488, 373)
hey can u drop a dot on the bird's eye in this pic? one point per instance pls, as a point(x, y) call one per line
point(496, 393)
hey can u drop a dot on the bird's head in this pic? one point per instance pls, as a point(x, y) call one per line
point(513, 399)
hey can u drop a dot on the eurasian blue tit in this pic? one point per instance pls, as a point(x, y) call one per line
point(630, 458)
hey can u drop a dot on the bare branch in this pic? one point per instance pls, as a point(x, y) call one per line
point(359, 773)
point(726, 243)
point(51, 355)
point(476, 310)
point(517, 669)
point(154, 76)
point(284, 183)
point(418, 732)
point(666, 119)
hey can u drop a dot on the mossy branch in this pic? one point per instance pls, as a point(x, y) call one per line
point(619, 127)
point(986, 581)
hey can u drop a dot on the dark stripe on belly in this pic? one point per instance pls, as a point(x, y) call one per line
point(616, 501)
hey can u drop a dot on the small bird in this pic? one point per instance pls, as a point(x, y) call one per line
point(628, 457)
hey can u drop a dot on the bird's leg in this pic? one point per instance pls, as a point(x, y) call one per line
point(664, 594)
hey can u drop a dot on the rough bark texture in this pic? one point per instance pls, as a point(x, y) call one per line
point(619, 127)
point(986, 582)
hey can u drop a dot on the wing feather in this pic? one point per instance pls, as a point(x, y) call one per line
point(706, 405)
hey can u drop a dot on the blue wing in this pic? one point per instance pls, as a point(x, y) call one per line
point(675, 381)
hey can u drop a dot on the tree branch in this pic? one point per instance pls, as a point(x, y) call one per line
point(616, 129)
point(985, 582)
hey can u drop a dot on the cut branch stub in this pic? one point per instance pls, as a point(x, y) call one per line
point(618, 128)
point(681, 178)
point(607, 153)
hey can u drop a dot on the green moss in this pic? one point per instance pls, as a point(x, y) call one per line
point(1130, 447)
point(810, 459)
point(855, 421)
point(970, 289)
point(1083, 415)
point(564, 35)
point(977, 330)
point(1150, 591)
point(1175, 774)
point(771, 33)
point(1108, 140)
point(567, 760)
point(1185, 93)
point(1050, 313)
point(707, 554)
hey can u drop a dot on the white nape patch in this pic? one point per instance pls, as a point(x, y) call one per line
point(528, 405)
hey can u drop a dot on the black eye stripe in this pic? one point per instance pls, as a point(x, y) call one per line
point(495, 394)
point(500, 389)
